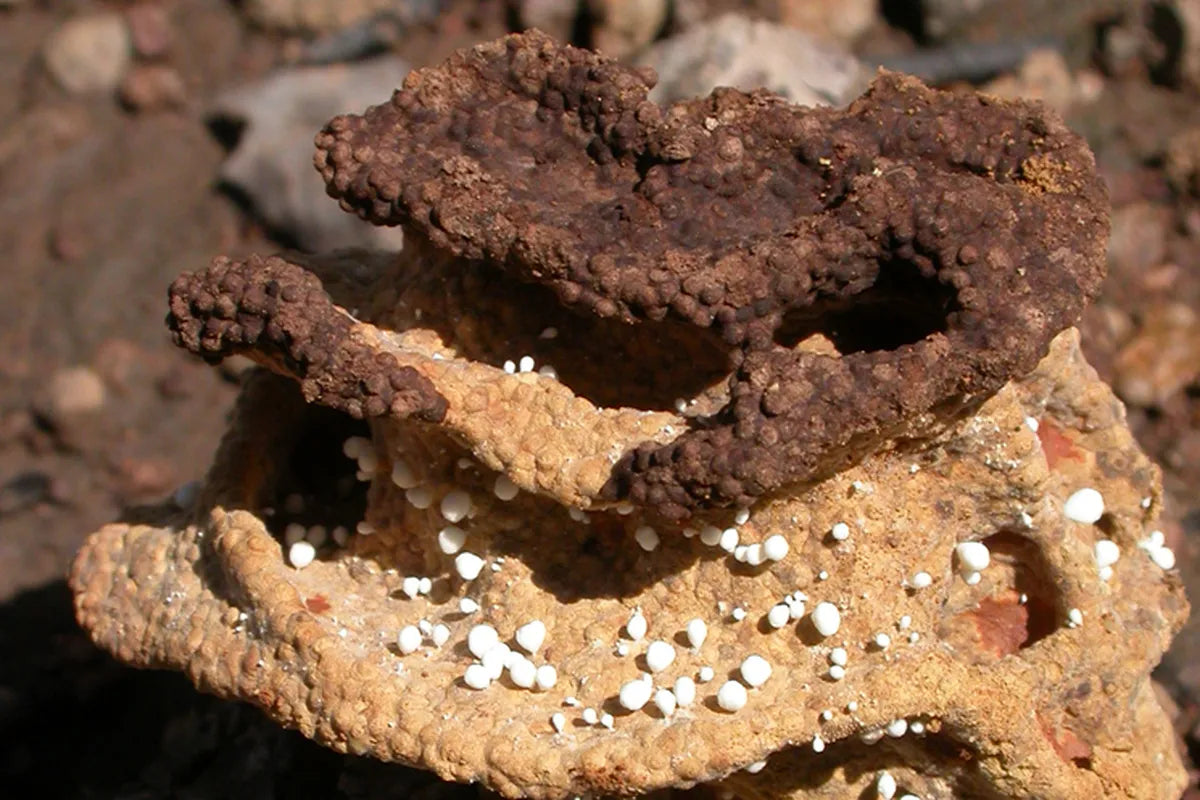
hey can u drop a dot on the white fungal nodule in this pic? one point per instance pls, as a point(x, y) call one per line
point(755, 671)
point(409, 639)
point(301, 554)
point(731, 696)
point(504, 488)
point(468, 566)
point(659, 655)
point(635, 694)
point(451, 539)
point(647, 538)
point(697, 632)
point(531, 635)
point(826, 618)
point(636, 627)
point(685, 691)
point(1085, 505)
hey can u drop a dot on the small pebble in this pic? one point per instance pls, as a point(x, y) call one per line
point(840, 532)
point(921, 580)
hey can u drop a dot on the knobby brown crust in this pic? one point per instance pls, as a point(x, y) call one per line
point(973, 227)
point(279, 313)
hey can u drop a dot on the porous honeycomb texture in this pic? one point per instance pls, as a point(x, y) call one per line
point(1028, 678)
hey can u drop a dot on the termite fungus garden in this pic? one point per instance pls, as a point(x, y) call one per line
point(730, 444)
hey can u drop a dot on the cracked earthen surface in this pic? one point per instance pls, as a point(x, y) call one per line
point(1027, 678)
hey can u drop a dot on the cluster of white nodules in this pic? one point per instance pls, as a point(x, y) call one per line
point(973, 559)
point(521, 365)
point(414, 586)
point(754, 672)
point(775, 548)
point(361, 450)
point(1106, 552)
point(789, 609)
point(1155, 546)
point(838, 658)
point(411, 637)
point(1086, 506)
point(1074, 618)
point(826, 619)
point(495, 657)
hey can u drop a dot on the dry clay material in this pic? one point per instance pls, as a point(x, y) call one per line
point(495, 417)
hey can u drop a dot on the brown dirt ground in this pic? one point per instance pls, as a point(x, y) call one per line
point(103, 207)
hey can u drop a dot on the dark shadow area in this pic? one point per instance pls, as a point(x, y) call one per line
point(75, 724)
point(905, 15)
point(902, 307)
point(648, 364)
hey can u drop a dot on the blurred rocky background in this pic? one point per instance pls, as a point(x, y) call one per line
point(140, 138)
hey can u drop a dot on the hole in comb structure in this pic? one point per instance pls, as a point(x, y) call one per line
point(904, 306)
point(1013, 606)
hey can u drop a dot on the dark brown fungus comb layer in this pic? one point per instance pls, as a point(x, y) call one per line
point(939, 240)
point(281, 314)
